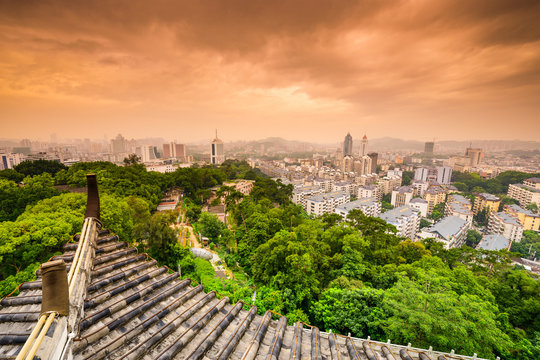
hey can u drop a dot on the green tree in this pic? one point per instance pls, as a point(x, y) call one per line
point(431, 311)
point(482, 217)
point(132, 159)
point(10, 174)
point(473, 238)
point(210, 226)
point(532, 207)
point(38, 167)
point(356, 311)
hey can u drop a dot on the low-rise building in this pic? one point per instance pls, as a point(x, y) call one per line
point(486, 201)
point(528, 219)
point(368, 206)
point(434, 195)
point(420, 204)
point(243, 186)
point(526, 193)
point(505, 225)
point(8, 161)
point(301, 194)
point(494, 242)
point(451, 230)
point(326, 203)
point(406, 219)
point(402, 195)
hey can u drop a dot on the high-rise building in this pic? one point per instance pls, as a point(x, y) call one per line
point(347, 145)
point(147, 153)
point(475, 156)
point(118, 144)
point(363, 148)
point(444, 175)
point(428, 147)
point(217, 153)
point(374, 157)
point(174, 150)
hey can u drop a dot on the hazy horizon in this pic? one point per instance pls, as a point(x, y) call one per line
point(305, 70)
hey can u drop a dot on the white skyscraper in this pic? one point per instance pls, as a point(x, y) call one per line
point(363, 149)
point(217, 154)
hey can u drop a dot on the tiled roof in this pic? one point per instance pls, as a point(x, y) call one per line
point(137, 310)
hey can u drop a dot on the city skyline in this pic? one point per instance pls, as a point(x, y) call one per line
point(413, 70)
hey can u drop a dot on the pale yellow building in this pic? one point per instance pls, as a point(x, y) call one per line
point(485, 200)
point(434, 195)
point(527, 218)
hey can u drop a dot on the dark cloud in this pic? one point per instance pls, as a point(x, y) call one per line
point(394, 60)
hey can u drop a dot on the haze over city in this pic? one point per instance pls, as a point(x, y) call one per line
point(303, 70)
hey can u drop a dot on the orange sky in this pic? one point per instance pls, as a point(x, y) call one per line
point(307, 70)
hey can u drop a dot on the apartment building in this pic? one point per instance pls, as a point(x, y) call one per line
point(344, 186)
point(8, 161)
point(369, 191)
point(420, 186)
point(451, 230)
point(402, 195)
point(406, 219)
point(301, 194)
point(485, 200)
point(389, 183)
point(325, 184)
point(326, 203)
point(526, 193)
point(434, 195)
point(528, 219)
point(460, 206)
point(506, 225)
point(420, 204)
point(368, 206)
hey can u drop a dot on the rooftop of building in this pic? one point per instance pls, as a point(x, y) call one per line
point(306, 188)
point(456, 198)
point(528, 188)
point(489, 197)
point(328, 196)
point(357, 204)
point(368, 187)
point(459, 207)
point(448, 226)
point(493, 242)
point(404, 189)
point(393, 216)
point(507, 219)
point(434, 190)
point(519, 209)
point(418, 201)
point(534, 180)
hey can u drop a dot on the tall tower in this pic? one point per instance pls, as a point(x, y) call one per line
point(363, 150)
point(217, 154)
point(347, 145)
